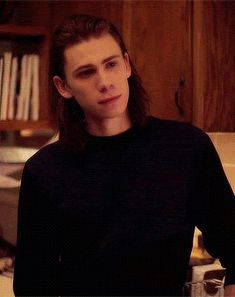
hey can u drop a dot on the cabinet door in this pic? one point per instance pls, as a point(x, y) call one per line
point(158, 36)
point(214, 65)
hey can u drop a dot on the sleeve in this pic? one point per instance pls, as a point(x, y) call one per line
point(214, 209)
point(37, 252)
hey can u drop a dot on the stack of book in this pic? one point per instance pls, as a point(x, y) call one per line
point(19, 87)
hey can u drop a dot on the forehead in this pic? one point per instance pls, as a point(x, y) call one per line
point(91, 51)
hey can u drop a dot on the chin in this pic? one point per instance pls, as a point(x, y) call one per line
point(119, 112)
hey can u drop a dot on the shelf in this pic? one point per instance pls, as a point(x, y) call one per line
point(22, 31)
point(21, 125)
point(29, 40)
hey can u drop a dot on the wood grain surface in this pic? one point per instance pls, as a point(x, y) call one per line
point(214, 65)
point(158, 35)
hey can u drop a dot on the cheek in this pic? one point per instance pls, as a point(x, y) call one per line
point(120, 80)
point(125, 85)
point(80, 93)
point(85, 99)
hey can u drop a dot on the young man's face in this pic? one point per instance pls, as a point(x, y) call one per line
point(95, 70)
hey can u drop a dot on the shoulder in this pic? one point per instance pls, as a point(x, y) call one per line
point(169, 127)
point(48, 160)
point(177, 133)
point(45, 154)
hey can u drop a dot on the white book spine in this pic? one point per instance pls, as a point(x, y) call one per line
point(12, 94)
point(6, 84)
point(1, 74)
point(35, 89)
point(28, 87)
point(21, 96)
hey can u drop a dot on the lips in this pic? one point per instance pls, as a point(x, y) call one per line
point(111, 99)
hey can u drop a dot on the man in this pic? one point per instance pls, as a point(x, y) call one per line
point(110, 208)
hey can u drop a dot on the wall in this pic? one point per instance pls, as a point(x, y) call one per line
point(225, 146)
point(190, 39)
point(214, 65)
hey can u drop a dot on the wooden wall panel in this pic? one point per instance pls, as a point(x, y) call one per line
point(36, 13)
point(167, 40)
point(214, 65)
point(108, 9)
point(158, 35)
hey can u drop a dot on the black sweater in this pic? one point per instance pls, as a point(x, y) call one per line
point(119, 219)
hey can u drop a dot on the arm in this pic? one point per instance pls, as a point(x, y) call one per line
point(215, 210)
point(36, 263)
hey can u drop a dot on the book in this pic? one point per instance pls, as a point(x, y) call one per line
point(35, 89)
point(1, 74)
point(28, 87)
point(21, 95)
point(21, 98)
point(12, 91)
point(7, 58)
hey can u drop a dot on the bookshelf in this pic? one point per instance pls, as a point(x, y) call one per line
point(22, 40)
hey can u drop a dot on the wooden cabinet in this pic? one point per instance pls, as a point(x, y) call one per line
point(185, 54)
point(29, 40)
point(214, 65)
point(158, 35)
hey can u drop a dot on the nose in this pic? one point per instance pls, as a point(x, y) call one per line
point(103, 83)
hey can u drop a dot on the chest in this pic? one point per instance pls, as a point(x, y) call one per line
point(135, 191)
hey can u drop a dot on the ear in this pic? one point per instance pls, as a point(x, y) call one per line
point(127, 63)
point(61, 87)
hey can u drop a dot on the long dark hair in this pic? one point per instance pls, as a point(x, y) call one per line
point(67, 115)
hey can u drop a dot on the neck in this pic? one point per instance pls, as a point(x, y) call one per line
point(109, 126)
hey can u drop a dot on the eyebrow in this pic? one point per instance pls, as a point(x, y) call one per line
point(92, 65)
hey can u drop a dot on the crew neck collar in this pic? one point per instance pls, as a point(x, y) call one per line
point(117, 139)
point(123, 135)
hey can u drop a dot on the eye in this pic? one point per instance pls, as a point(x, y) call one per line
point(111, 64)
point(86, 73)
